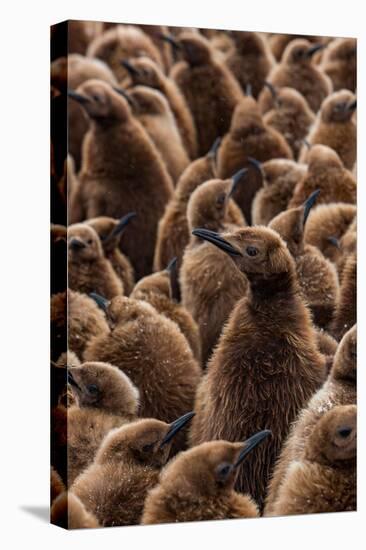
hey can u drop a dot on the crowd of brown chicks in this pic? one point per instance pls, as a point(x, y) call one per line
point(210, 308)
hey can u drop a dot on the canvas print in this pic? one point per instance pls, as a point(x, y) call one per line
point(203, 274)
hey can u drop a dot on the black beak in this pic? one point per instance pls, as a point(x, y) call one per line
point(124, 94)
point(273, 91)
point(313, 49)
point(310, 203)
point(257, 165)
point(71, 380)
point(334, 241)
point(129, 68)
point(306, 143)
point(176, 426)
point(82, 99)
point(250, 444)
point(121, 226)
point(216, 239)
point(214, 148)
point(76, 244)
point(249, 90)
point(102, 302)
point(352, 106)
point(237, 177)
point(172, 269)
point(172, 41)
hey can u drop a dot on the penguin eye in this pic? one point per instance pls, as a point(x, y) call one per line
point(92, 389)
point(221, 200)
point(89, 241)
point(96, 98)
point(251, 251)
point(344, 432)
point(147, 448)
point(223, 471)
point(338, 107)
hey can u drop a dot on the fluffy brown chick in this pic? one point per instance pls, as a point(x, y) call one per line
point(69, 512)
point(340, 63)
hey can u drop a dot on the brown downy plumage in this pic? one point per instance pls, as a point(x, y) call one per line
point(162, 291)
point(339, 389)
point(347, 245)
point(326, 173)
point(88, 269)
point(251, 60)
point(155, 32)
point(153, 352)
point(329, 220)
point(69, 512)
point(210, 287)
point(126, 466)
point(266, 364)
point(143, 71)
point(346, 311)
point(249, 138)
point(327, 345)
point(296, 70)
point(336, 128)
point(316, 274)
point(122, 171)
point(340, 63)
point(323, 479)
point(80, 34)
point(57, 485)
point(280, 177)
point(110, 232)
point(291, 116)
point(120, 42)
point(198, 485)
point(105, 399)
point(71, 72)
point(278, 42)
point(173, 233)
point(210, 89)
point(152, 110)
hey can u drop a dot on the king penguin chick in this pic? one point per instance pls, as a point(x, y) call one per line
point(173, 233)
point(69, 512)
point(106, 399)
point(324, 478)
point(329, 220)
point(210, 89)
point(317, 275)
point(340, 63)
point(250, 61)
point(296, 70)
point(210, 287)
point(326, 173)
point(88, 269)
point(291, 116)
point(280, 176)
point(143, 71)
point(152, 110)
point(198, 485)
point(278, 42)
point(122, 171)
point(110, 232)
point(339, 389)
point(162, 291)
point(151, 350)
point(266, 365)
point(120, 42)
point(336, 128)
point(346, 310)
point(126, 466)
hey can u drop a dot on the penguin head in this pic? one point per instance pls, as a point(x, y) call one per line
point(248, 43)
point(144, 71)
point(342, 49)
point(300, 52)
point(102, 103)
point(83, 244)
point(344, 367)
point(110, 230)
point(334, 437)
point(210, 468)
point(121, 310)
point(164, 283)
point(290, 224)
point(105, 387)
point(208, 204)
point(276, 169)
point(321, 158)
point(147, 101)
point(195, 49)
point(338, 107)
point(247, 120)
point(291, 101)
point(146, 442)
point(258, 252)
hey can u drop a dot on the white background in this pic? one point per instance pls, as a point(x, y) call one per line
point(24, 301)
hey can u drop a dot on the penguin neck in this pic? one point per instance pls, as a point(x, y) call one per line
point(271, 288)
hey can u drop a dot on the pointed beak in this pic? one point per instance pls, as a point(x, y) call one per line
point(71, 380)
point(76, 244)
point(176, 427)
point(273, 91)
point(214, 148)
point(352, 106)
point(309, 204)
point(124, 94)
point(172, 269)
point(334, 241)
point(313, 49)
point(132, 71)
point(121, 226)
point(257, 165)
point(237, 178)
point(82, 99)
point(250, 444)
point(216, 239)
point(306, 143)
point(101, 302)
point(172, 41)
point(249, 90)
